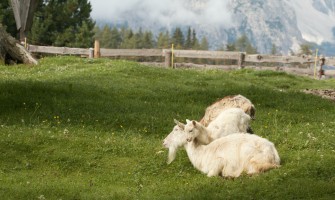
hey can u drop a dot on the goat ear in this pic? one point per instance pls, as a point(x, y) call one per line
point(194, 123)
point(181, 125)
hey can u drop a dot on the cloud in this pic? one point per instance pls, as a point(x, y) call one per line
point(165, 12)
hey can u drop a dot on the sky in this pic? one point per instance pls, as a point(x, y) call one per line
point(161, 11)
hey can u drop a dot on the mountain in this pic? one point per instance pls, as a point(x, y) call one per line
point(283, 23)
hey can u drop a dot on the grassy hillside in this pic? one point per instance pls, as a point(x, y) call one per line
point(73, 128)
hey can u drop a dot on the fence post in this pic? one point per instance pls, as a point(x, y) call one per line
point(172, 49)
point(91, 53)
point(241, 60)
point(167, 55)
point(96, 49)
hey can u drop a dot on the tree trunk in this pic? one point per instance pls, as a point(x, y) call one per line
point(11, 52)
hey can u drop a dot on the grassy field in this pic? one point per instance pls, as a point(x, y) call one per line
point(73, 128)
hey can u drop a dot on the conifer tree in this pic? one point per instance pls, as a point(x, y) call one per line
point(138, 40)
point(178, 38)
point(105, 37)
point(250, 49)
point(148, 40)
point(305, 49)
point(83, 38)
point(204, 44)
point(195, 41)
point(231, 47)
point(115, 38)
point(163, 40)
point(127, 39)
point(59, 22)
point(243, 44)
point(188, 42)
point(97, 33)
point(7, 18)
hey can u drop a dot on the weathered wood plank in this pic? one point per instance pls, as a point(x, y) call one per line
point(23, 13)
point(16, 10)
point(260, 58)
point(167, 58)
point(130, 52)
point(205, 66)
point(31, 7)
point(11, 51)
point(58, 50)
point(207, 54)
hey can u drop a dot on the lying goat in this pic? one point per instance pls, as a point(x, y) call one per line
point(235, 101)
point(228, 156)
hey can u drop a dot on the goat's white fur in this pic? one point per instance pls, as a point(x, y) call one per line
point(173, 142)
point(229, 121)
point(232, 120)
point(227, 156)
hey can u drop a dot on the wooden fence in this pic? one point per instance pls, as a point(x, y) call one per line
point(291, 64)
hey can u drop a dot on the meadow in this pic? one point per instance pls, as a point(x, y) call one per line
point(74, 128)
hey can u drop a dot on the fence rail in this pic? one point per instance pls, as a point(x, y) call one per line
point(58, 50)
point(242, 58)
point(130, 52)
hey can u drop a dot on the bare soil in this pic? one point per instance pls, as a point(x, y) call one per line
point(327, 93)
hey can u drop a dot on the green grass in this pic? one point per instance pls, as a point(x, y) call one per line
point(73, 128)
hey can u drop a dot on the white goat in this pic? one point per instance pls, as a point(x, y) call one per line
point(236, 101)
point(227, 156)
point(231, 120)
point(172, 142)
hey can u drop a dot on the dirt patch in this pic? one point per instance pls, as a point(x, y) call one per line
point(327, 94)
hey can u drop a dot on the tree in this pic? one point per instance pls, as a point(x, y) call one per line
point(83, 38)
point(243, 44)
point(163, 40)
point(109, 38)
point(148, 40)
point(127, 38)
point(39, 32)
point(115, 38)
point(7, 18)
point(188, 42)
point(105, 39)
point(138, 40)
point(195, 41)
point(59, 22)
point(97, 32)
point(231, 47)
point(250, 49)
point(11, 52)
point(178, 38)
point(305, 49)
point(204, 44)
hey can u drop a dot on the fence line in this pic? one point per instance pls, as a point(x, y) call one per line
point(58, 50)
point(241, 57)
